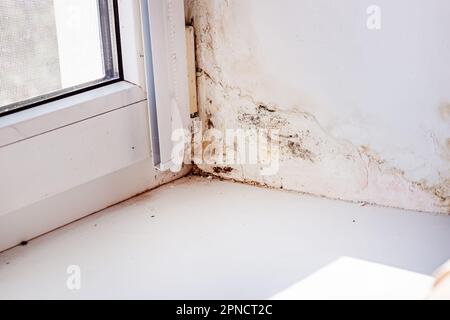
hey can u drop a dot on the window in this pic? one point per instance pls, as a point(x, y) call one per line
point(54, 48)
point(80, 147)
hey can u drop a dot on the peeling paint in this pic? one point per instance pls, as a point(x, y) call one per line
point(313, 158)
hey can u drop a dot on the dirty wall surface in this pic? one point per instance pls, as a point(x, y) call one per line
point(363, 115)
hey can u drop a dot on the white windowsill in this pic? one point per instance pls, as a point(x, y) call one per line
point(48, 117)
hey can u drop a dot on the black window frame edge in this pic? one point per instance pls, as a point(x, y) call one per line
point(95, 84)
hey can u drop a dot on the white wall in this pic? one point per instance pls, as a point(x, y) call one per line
point(368, 110)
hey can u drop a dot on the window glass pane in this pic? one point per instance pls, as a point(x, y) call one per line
point(53, 47)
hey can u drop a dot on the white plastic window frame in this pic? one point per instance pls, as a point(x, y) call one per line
point(63, 112)
point(166, 74)
point(154, 67)
point(31, 195)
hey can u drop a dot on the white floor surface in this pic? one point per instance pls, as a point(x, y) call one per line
point(199, 238)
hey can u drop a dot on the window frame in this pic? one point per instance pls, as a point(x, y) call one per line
point(64, 111)
point(54, 176)
point(107, 48)
point(166, 67)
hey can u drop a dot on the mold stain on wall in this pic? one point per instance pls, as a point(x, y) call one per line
point(312, 159)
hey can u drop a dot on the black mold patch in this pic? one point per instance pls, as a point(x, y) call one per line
point(210, 124)
point(263, 107)
point(250, 119)
point(222, 170)
point(263, 118)
point(298, 151)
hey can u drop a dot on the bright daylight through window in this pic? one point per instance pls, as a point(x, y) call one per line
point(53, 48)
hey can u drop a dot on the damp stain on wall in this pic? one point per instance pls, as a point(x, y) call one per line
point(312, 158)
